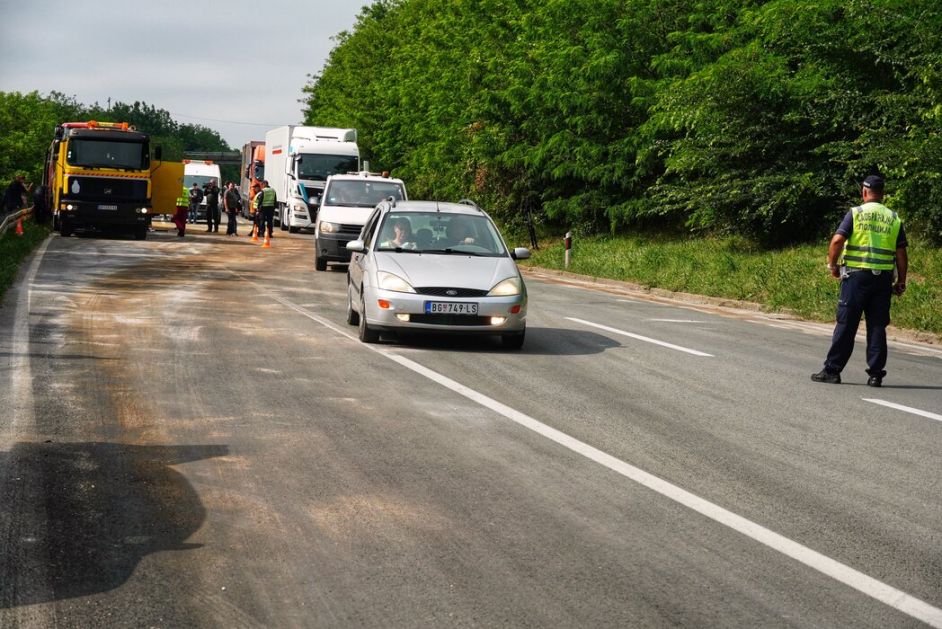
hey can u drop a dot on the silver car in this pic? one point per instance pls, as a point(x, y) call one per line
point(438, 267)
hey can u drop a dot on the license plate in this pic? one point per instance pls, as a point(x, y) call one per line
point(107, 207)
point(451, 307)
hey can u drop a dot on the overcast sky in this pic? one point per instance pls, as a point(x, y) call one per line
point(211, 63)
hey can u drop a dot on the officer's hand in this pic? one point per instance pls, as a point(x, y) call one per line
point(899, 288)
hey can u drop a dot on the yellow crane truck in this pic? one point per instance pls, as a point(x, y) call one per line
point(100, 176)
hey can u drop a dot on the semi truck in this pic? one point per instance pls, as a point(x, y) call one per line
point(253, 172)
point(298, 161)
point(100, 176)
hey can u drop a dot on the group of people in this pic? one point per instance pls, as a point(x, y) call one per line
point(188, 203)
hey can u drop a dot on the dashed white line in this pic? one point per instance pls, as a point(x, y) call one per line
point(905, 409)
point(646, 339)
point(887, 594)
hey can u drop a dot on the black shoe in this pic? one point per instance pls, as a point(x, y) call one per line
point(826, 376)
point(875, 381)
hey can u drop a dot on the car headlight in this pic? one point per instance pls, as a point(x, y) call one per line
point(388, 281)
point(329, 228)
point(506, 288)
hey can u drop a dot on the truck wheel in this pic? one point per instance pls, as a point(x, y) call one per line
point(140, 233)
point(293, 229)
point(282, 220)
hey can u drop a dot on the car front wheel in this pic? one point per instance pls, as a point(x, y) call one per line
point(513, 340)
point(367, 334)
point(353, 317)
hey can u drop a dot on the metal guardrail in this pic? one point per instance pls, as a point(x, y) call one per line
point(13, 218)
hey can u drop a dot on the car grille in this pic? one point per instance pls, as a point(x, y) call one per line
point(445, 291)
point(350, 230)
point(103, 189)
point(447, 319)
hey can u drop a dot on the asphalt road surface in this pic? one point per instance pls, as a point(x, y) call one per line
point(190, 435)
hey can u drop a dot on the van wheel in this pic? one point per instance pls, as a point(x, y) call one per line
point(65, 230)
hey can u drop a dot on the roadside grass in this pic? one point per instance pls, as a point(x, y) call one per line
point(792, 280)
point(13, 248)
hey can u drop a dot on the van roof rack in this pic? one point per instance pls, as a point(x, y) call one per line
point(366, 173)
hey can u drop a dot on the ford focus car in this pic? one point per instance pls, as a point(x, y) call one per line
point(436, 267)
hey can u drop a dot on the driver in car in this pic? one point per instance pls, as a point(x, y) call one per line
point(402, 232)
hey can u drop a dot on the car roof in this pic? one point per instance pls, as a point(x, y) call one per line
point(445, 207)
point(363, 177)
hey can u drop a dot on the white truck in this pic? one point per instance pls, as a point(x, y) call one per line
point(298, 161)
point(201, 173)
point(347, 203)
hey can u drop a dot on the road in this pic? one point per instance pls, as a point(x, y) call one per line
point(192, 436)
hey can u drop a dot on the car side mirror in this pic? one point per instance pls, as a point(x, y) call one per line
point(520, 253)
point(356, 246)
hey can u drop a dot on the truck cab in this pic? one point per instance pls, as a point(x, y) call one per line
point(346, 204)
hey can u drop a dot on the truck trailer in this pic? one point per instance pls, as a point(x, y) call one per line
point(100, 177)
point(298, 161)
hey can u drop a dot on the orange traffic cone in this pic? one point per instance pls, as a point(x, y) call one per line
point(267, 244)
point(19, 226)
point(255, 233)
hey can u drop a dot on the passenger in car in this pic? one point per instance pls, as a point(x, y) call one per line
point(459, 232)
point(401, 233)
point(424, 238)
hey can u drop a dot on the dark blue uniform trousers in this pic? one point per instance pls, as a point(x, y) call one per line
point(862, 293)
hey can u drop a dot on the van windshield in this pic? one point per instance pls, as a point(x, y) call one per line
point(359, 193)
point(320, 167)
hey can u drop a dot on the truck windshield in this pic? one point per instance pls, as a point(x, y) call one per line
point(358, 193)
point(108, 154)
point(320, 167)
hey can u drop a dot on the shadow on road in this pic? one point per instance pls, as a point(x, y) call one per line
point(539, 342)
point(76, 518)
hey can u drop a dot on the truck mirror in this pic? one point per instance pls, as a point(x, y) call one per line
point(158, 152)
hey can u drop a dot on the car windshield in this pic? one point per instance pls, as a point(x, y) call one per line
point(361, 193)
point(440, 233)
point(108, 154)
point(313, 167)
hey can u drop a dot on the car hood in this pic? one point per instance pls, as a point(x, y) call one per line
point(452, 270)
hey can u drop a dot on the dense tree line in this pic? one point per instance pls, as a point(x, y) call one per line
point(28, 122)
point(749, 117)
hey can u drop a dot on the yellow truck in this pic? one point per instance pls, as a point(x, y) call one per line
point(100, 176)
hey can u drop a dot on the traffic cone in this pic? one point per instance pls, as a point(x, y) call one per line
point(19, 226)
point(267, 244)
point(255, 233)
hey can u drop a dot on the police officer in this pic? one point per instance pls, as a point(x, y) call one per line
point(870, 243)
point(266, 200)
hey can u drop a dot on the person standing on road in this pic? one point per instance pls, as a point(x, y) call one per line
point(184, 204)
point(267, 200)
point(15, 195)
point(196, 197)
point(211, 194)
point(232, 201)
point(869, 244)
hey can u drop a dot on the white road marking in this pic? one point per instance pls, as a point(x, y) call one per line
point(887, 594)
point(630, 301)
point(905, 409)
point(646, 339)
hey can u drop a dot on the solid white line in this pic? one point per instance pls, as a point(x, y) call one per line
point(676, 320)
point(897, 599)
point(641, 338)
point(906, 409)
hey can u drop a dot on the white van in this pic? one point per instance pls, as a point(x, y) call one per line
point(347, 202)
point(201, 173)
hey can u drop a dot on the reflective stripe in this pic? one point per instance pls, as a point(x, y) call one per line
point(873, 239)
